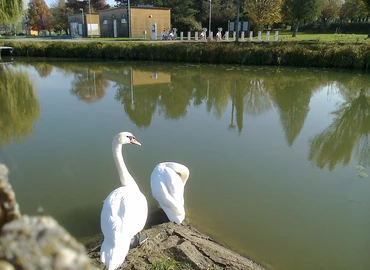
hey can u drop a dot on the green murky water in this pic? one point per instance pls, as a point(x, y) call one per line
point(279, 157)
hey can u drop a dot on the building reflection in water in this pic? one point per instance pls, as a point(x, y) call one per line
point(140, 91)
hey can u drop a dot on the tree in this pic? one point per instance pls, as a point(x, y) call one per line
point(179, 8)
point(300, 11)
point(95, 5)
point(59, 18)
point(222, 11)
point(263, 12)
point(10, 10)
point(354, 10)
point(38, 15)
point(367, 4)
point(98, 5)
point(330, 10)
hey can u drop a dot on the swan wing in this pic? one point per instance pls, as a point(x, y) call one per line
point(124, 214)
point(168, 189)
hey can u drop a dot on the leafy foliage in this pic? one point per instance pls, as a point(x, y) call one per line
point(10, 10)
point(367, 4)
point(19, 106)
point(263, 12)
point(187, 24)
point(59, 16)
point(353, 10)
point(330, 10)
point(39, 15)
point(301, 10)
point(95, 5)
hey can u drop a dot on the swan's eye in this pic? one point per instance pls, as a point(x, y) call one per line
point(131, 137)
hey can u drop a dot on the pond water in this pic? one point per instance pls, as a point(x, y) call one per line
point(279, 157)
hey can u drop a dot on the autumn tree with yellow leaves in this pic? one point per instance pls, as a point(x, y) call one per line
point(263, 12)
point(38, 15)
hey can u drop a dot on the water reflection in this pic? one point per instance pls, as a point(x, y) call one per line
point(43, 69)
point(257, 132)
point(19, 106)
point(89, 85)
point(349, 130)
point(146, 90)
point(292, 95)
point(139, 97)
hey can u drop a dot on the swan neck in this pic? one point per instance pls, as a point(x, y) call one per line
point(124, 175)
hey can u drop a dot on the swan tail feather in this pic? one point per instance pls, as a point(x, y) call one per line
point(113, 256)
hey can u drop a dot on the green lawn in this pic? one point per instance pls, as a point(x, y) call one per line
point(283, 36)
point(347, 38)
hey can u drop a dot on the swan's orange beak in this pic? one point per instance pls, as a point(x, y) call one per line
point(134, 141)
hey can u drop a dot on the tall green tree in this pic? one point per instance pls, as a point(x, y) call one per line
point(221, 12)
point(59, 16)
point(10, 10)
point(367, 4)
point(301, 10)
point(263, 12)
point(330, 10)
point(354, 10)
point(38, 15)
point(179, 8)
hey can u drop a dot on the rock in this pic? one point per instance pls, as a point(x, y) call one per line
point(9, 209)
point(41, 243)
point(177, 245)
point(34, 242)
point(4, 265)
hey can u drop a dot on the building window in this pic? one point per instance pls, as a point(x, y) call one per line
point(105, 22)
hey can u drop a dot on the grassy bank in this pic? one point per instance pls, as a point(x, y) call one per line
point(314, 54)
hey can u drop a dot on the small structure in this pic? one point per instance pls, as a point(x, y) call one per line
point(84, 25)
point(121, 22)
point(9, 50)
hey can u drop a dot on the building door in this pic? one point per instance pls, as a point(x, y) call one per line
point(114, 28)
point(74, 29)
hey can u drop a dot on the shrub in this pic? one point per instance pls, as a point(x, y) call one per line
point(315, 54)
point(187, 24)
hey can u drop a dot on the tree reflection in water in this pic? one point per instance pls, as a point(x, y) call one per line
point(19, 107)
point(349, 130)
point(168, 90)
point(89, 86)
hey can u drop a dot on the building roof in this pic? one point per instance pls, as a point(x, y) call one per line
point(125, 8)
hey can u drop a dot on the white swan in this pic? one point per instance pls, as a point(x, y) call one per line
point(167, 182)
point(125, 210)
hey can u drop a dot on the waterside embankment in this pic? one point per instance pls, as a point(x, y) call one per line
point(300, 54)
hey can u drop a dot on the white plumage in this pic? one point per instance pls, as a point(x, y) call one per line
point(125, 210)
point(167, 182)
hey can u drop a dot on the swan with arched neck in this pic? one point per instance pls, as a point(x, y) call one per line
point(125, 210)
